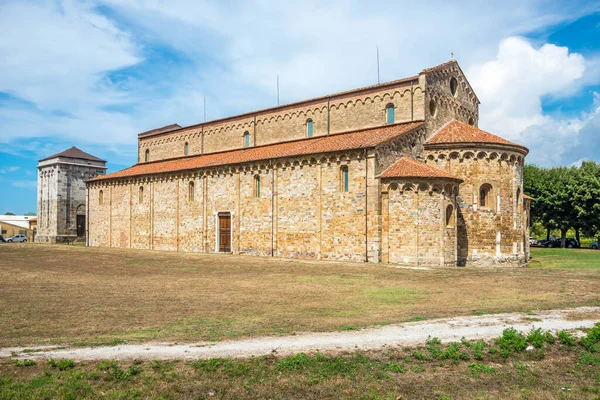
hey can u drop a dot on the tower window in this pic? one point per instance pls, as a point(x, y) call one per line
point(141, 195)
point(518, 200)
point(309, 128)
point(101, 197)
point(484, 195)
point(453, 86)
point(471, 121)
point(191, 191)
point(246, 139)
point(344, 178)
point(257, 186)
point(147, 155)
point(390, 114)
point(186, 149)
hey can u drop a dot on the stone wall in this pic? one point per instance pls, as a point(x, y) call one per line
point(494, 232)
point(302, 211)
point(365, 108)
point(414, 227)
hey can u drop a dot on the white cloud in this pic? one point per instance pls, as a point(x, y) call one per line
point(8, 170)
point(25, 184)
point(511, 88)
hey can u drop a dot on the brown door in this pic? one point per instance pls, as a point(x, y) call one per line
point(224, 232)
point(80, 225)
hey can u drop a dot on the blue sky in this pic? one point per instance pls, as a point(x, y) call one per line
point(95, 73)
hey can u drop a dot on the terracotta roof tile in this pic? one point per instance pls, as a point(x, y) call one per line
point(459, 132)
point(409, 168)
point(74, 152)
point(358, 139)
point(526, 196)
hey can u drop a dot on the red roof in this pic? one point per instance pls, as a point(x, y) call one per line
point(459, 132)
point(74, 152)
point(409, 168)
point(358, 139)
point(526, 196)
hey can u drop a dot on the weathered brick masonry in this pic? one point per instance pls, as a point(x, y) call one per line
point(396, 172)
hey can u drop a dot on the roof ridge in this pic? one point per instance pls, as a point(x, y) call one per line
point(399, 170)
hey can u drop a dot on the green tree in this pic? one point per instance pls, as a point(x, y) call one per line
point(586, 199)
point(8, 213)
point(30, 214)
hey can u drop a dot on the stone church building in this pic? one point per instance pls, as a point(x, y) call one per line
point(396, 172)
point(62, 194)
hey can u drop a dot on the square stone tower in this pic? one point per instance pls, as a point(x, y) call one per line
point(61, 205)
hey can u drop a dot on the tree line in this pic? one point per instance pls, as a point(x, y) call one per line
point(565, 197)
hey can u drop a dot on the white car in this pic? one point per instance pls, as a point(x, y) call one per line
point(17, 238)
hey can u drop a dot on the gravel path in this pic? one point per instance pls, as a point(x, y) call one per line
point(407, 334)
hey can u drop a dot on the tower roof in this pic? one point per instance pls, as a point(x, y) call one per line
point(409, 168)
point(74, 152)
point(457, 132)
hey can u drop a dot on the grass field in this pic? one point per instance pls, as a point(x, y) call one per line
point(80, 296)
point(558, 366)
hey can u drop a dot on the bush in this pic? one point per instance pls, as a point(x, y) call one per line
point(113, 370)
point(478, 369)
point(511, 341)
point(25, 363)
point(591, 341)
point(537, 338)
point(61, 365)
point(478, 350)
point(565, 337)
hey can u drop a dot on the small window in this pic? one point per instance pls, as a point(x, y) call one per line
point(344, 178)
point(141, 195)
point(246, 139)
point(147, 155)
point(191, 191)
point(453, 86)
point(101, 197)
point(484, 195)
point(432, 108)
point(471, 121)
point(257, 186)
point(186, 149)
point(449, 216)
point(518, 200)
point(389, 112)
point(309, 128)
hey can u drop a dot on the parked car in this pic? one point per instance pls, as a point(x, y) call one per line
point(553, 242)
point(17, 238)
point(533, 241)
point(594, 245)
point(2, 240)
point(572, 243)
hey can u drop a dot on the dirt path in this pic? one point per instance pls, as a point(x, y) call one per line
point(447, 329)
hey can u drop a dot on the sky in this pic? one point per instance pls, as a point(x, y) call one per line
point(94, 74)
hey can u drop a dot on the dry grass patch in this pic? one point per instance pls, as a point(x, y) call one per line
point(68, 294)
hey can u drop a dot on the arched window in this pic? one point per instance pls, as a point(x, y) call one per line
point(453, 86)
point(309, 128)
point(432, 107)
point(449, 216)
point(257, 186)
point(141, 195)
point(191, 191)
point(518, 200)
point(389, 112)
point(186, 149)
point(147, 155)
point(101, 197)
point(344, 178)
point(246, 139)
point(471, 121)
point(484, 195)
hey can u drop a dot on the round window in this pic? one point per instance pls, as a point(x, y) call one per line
point(432, 107)
point(453, 86)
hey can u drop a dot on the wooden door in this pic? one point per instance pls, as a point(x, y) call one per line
point(80, 225)
point(224, 232)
